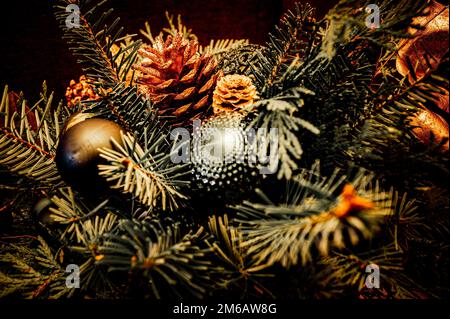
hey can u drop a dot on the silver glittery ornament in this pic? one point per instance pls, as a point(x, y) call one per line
point(222, 169)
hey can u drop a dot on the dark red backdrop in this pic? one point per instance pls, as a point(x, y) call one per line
point(32, 49)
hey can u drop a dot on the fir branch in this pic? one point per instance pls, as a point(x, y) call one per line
point(216, 48)
point(171, 29)
point(219, 47)
point(240, 269)
point(72, 212)
point(125, 106)
point(142, 165)
point(160, 254)
point(312, 217)
point(92, 40)
point(28, 148)
point(386, 143)
point(340, 105)
point(281, 113)
point(144, 172)
point(89, 233)
point(347, 23)
point(282, 48)
point(344, 272)
point(33, 272)
point(405, 223)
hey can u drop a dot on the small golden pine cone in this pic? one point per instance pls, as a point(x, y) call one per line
point(177, 78)
point(79, 91)
point(233, 92)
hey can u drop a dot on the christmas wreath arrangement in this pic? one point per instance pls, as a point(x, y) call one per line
point(314, 166)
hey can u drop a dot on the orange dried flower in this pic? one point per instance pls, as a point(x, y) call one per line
point(349, 201)
point(80, 91)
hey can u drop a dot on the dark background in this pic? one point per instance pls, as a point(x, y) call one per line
point(32, 49)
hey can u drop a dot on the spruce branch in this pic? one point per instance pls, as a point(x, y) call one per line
point(240, 269)
point(145, 173)
point(33, 271)
point(92, 40)
point(312, 216)
point(281, 113)
point(348, 271)
point(29, 137)
point(295, 31)
point(346, 23)
point(125, 106)
point(161, 255)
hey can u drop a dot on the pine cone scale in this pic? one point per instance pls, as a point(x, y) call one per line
point(179, 111)
point(202, 103)
point(185, 94)
point(189, 77)
point(210, 84)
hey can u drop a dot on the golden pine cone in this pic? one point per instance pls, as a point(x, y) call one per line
point(79, 91)
point(233, 92)
point(177, 78)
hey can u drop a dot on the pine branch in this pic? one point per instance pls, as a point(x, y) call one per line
point(145, 172)
point(92, 40)
point(312, 217)
point(28, 148)
point(161, 255)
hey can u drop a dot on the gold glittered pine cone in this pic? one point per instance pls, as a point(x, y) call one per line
point(177, 78)
point(80, 91)
point(233, 92)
